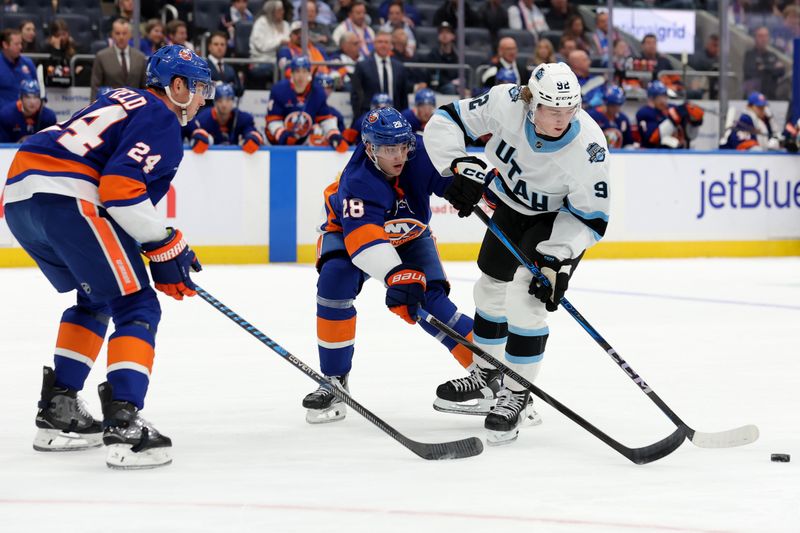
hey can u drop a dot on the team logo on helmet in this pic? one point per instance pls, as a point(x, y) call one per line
point(596, 153)
point(373, 117)
point(185, 54)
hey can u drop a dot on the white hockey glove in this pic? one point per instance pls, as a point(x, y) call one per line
point(469, 176)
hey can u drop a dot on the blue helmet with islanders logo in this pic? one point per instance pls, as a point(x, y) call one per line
point(172, 61)
point(387, 126)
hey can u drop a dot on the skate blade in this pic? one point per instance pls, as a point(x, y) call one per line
point(330, 414)
point(477, 407)
point(120, 457)
point(55, 440)
point(501, 438)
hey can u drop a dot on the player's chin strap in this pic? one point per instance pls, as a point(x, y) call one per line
point(184, 116)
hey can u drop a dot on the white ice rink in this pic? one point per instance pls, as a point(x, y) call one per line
point(716, 339)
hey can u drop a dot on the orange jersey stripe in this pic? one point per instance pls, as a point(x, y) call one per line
point(336, 330)
point(25, 161)
point(362, 236)
point(130, 349)
point(79, 339)
point(114, 187)
point(330, 190)
point(746, 145)
point(114, 253)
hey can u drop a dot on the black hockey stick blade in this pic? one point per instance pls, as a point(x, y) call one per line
point(722, 439)
point(432, 451)
point(640, 456)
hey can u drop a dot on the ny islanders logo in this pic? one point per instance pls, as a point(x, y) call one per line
point(596, 153)
point(299, 122)
point(185, 54)
point(402, 230)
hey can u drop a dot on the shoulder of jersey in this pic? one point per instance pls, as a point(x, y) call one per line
point(282, 89)
point(507, 95)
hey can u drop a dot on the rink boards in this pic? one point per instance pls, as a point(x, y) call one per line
point(240, 208)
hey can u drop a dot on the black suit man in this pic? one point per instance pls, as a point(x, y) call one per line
point(221, 71)
point(379, 73)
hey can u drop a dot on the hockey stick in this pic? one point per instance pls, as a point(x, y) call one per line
point(721, 439)
point(640, 456)
point(433, 451)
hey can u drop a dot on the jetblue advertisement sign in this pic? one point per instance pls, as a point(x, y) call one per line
point(674, 29)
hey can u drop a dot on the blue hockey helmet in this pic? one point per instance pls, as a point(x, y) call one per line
point(656, 88)
point(614, 95)
point(387, 126)
point(172, 61)
point(299, 62)
point(224, 90)
point(325, 80)
point(425, 97)
point(30, 88)
point(757, 99)
point(380, 101)
point(505, 75)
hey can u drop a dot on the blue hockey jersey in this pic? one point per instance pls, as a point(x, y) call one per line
point(239, 126)
point(618, 130)
point(298, 113)
point(14, 125)
point(411, 117)
point(121, 153)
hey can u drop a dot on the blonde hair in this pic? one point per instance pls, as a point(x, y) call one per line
point(536, 59)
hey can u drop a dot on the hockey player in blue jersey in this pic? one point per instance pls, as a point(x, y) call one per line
point(615, 124)
point(664, 125)
point(421, 113)
point(80, 199)
point(296, 105)
point(224, 124)
point(25, 116)
point(753, 129)
point(377, 226)
point(379, 101)
point(327, 82)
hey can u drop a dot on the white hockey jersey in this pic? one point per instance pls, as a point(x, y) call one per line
point(535, 175)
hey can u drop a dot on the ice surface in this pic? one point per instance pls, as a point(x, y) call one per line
point(716, 339)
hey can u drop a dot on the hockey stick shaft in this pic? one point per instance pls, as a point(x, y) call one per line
point(643, 455)
point(736, 437)
point(447, 450)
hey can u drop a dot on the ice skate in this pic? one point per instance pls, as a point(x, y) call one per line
point(513, 410)
point(63, 421)
point(323, 406)
point(472, 395)
point(132, 442)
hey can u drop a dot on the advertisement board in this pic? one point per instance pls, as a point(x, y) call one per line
point(674, 29)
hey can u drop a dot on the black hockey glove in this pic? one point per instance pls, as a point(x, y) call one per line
point(557, 273)
point(469, 175)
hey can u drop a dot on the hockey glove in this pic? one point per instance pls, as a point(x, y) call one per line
point(350, 135)
point(557, 273)
point(170, 261)
point(405, 291)
point(287, 138)
point(251, 142)
point(338, 143)
point(466, 189)
point(200, 141)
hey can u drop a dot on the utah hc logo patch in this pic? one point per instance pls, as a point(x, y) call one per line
point(596, 153)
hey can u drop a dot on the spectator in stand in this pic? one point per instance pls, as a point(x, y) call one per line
point(153, 37)
point(560, 12)
point(341, 9)
point(295, 49)
point(26, 116)
point(236, 13)
point(379, 73)
point(318, 32)
point(412, 15)
point(323, 14)
point(753, 130)
point(495, 17)
point(270, 32)
point(123, 9)
point(178, 33)
point(61, 48)
point(762, 67)
point(653, 61)
point(507, 57)
point(348, 53)
point(14, 68)
point(524, 15)
point(448, 12)
point(544, 52)
point(601, 37)
point(29, 42)
point(565, 48)
point(444, 80)
point(400, 48)
point(706, 60)
point(119, 65)
point(623, 62)
point(221, 71)
point(576, 30)
point(783, 36)
point(398, 21)
point(356, 22)
point(593, 86)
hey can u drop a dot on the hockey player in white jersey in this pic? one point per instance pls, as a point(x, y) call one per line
point(548, 166)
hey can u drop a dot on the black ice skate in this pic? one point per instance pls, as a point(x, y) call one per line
point(323, 406)
point(472, 395)
point(513, 410)
point(63, 421)
point(132, 442)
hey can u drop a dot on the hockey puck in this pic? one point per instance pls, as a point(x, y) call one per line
point(779, 458)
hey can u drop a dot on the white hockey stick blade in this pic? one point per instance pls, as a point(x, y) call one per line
point(726, 439)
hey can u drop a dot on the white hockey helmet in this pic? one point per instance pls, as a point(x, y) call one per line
point(554, 85)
